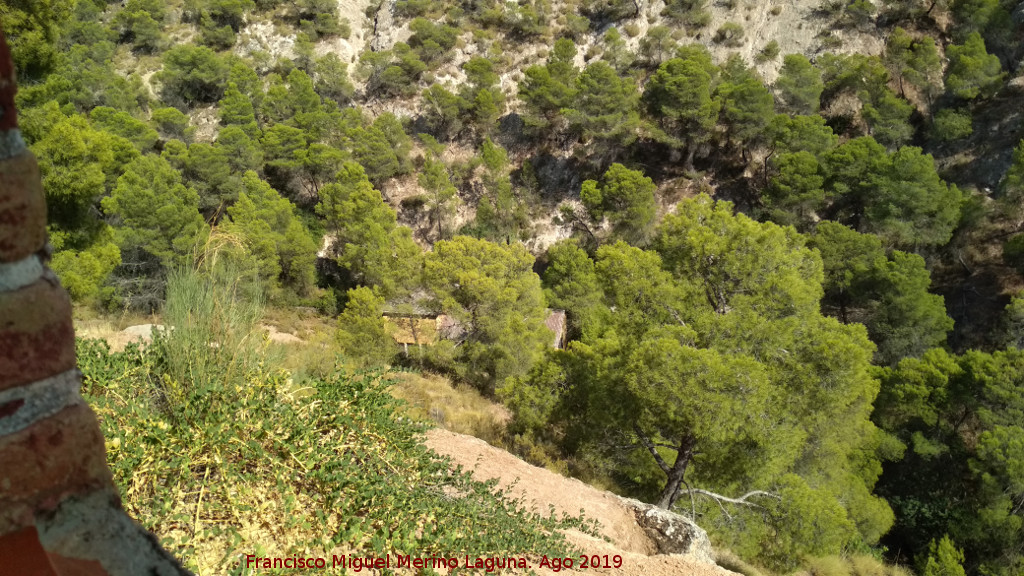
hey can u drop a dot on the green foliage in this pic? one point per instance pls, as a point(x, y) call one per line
point(322, 17)
point(797, 191)
point(283, 149)
point(604, 111)
point(759, 266)
point(207, 169)
point(500, 215)
point(214, 36)
point(443, 112)
point(382, 148)
point(657, 44)
point(973, 72)
point(615, 52)
point(331, 79)
point(951, 124)
point(888, 294)
point(681, 352)
point(855, 73)
point(991, 18)
point(395, 73)
point(171, 123)
point(242, 152)
point(729, 34)
point(272, 233)
point(900, 196)
point(192, 75)
point(1013, 252)
point(1012, 200)
point(747, 106)
point(889, 119)
point(84, 272)
point(84, 80)
point(802, 133)
point(799, 85)
point(79, 165)
point(770, 52)
point(679, 97)
point(32, 28)
point(492, 291)
point(442, 196)
point(549, 89)
point(860, 12)
point(609, 10)
point(571, 284)
point(367, 240)
point(363, 333)
point(691, 13)
point(432, 42)
point(944, 559)
point(236, 109)
point(626, 198)
point(915, 61)
point(156, 212)
point(124, 125)
point(959, 417)
point(140, 23)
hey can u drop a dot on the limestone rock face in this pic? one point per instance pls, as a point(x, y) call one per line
point(670, 532)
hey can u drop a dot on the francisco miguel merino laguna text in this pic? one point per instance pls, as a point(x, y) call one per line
point(488, 564)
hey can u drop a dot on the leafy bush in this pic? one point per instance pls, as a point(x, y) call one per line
point(691, 13)
point(193, 74)
point(860, 11)
point(730, 34)
point(1013, 252)
point(952, 125)
point(769, 52)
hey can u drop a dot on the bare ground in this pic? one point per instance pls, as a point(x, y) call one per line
point(544, 488)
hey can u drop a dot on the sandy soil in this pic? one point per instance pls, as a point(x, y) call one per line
point(543, 488)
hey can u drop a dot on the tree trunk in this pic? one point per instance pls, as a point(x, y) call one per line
point(677, 473)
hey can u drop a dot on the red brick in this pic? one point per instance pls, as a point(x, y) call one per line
point(55, 457)
point(37, 339)
point(76, 566)
point(22, 208)
point(21, 554)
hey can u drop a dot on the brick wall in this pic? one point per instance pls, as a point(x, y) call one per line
point(60, 515)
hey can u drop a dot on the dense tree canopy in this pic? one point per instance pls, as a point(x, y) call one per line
point(493, 292)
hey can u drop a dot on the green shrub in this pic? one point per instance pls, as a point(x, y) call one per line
point(860, 11)
point(769, 52)
point(690, 13)
point(952, 125)
point(1013, 252)
point(730, 34)
point(411, 8)
point(576, 26)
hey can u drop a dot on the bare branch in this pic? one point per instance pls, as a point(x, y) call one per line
point(741, 501)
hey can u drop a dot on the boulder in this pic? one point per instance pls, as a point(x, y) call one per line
point(670, 532)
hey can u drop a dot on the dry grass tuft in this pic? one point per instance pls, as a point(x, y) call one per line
point(457, 408)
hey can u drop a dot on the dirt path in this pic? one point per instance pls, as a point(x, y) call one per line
point(568, 495)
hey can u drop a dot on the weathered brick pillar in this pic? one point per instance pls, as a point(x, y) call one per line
point(60, 515)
